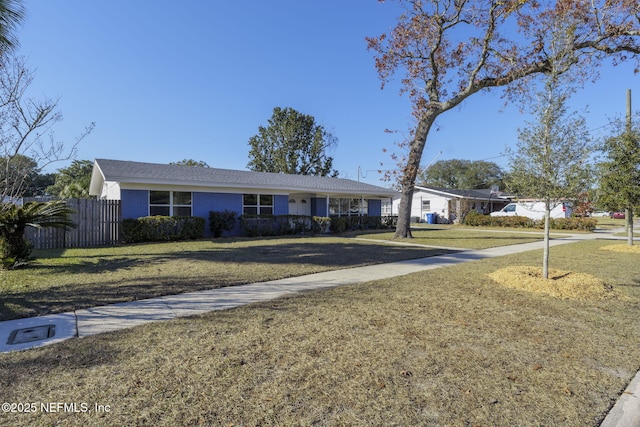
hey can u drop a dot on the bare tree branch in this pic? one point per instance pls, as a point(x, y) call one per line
point(26, 129)
point(446, 51)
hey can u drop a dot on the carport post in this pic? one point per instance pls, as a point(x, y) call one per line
point(327, 207)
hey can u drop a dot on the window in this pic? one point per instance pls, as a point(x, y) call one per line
point(347, 207)
point(426, 205)
point(257, 204)
point(170, 203)
point(386, 208)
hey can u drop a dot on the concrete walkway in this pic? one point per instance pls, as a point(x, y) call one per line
point(23, 334)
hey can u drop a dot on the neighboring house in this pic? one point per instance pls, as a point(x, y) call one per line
point(450, 204)
point(157, 189)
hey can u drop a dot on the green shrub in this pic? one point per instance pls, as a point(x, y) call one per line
point(162, 228)
point(15, 249)
point(276, 225)
point(297, 223)
point(574, 223)
point(320, 224)
point(514, 221)
point(476, 219)
point(191, 227)
point(339, 224)
point(14, 252)
point(261, 225)
point(389, 221)
point(220, 222)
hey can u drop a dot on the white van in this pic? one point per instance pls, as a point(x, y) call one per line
point(534, 210)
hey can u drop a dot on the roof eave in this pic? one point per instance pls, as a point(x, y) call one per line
point(124, 182)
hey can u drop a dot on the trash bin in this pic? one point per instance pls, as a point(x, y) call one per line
point(431, 218)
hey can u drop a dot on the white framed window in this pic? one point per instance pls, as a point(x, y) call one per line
point(170, 203)
point(386, 208)
point(257, 204)
point(348, 207)
point(426, 205)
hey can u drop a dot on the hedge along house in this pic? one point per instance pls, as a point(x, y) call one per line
point(146, 189)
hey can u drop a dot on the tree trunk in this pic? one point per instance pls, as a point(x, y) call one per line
point(410, 172)
point(545, 253)
point(403, 227)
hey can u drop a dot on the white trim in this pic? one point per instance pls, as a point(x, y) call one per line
point(171, 205)
point(271, 189)
point(259, 206)
point(327, 205)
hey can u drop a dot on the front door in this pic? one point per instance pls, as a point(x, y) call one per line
point(299, 205)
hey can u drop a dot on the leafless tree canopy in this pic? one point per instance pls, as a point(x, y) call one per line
point(26, 128)
point(446, 51)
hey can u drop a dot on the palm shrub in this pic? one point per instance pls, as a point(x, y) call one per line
point(15, 249)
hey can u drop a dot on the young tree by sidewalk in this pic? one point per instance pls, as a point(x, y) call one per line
point(551, 162)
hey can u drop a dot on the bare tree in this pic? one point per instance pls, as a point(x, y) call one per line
point(26, 127)
point(450, 50)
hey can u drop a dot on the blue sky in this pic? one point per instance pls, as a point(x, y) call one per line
point(166, 80)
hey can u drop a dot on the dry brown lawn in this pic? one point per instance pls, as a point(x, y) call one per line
point(623, 247)
point(559, 283)
point(446, 347)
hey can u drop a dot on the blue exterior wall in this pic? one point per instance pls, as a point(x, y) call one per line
point(203, 203)
point(135, 203)
point(374, 207)
point(280, 205)
point(318, 206)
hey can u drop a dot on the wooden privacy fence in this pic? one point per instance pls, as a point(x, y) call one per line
point(97, 223)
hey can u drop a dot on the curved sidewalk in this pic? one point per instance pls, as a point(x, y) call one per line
point(49, 329)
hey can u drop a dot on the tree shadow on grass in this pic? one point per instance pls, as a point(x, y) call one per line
point(89, 283)
point(326, 254)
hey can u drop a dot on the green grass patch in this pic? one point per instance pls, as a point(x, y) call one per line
point(441, 347)
point(609, 223)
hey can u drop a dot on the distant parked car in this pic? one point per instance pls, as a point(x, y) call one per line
point(617, 215)
point(600, 214)
point(534, 210)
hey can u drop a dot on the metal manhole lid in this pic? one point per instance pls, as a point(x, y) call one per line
point(35, 333)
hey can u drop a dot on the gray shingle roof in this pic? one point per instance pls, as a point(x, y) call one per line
point(466, 194)
point(154, 173)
